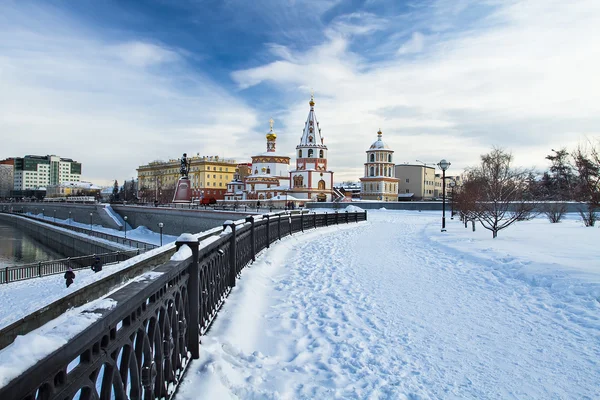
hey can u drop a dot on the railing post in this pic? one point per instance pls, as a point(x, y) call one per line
point(302, 221)
point(193, 289)
point(6, 275)
point(268, 231)
point(326, 219)
point(347, 216)
point(232, 256)
point(40, 268)
point(252, 237)
point(315, 220)
point(290, 223)
point(337, 218)
point(279, 226)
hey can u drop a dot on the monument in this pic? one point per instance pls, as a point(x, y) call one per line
point(183, 191)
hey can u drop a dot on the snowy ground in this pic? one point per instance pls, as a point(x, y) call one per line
point(395, 309)
point(19, 299)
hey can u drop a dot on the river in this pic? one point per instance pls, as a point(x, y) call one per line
point(16, 248)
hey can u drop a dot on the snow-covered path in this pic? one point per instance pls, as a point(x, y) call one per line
point(381, 310)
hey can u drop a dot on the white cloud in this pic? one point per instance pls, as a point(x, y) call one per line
point(415, 44)
point(111, 105)
point(525, 78)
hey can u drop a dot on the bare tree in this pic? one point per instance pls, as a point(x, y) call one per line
point(499, 192)
point(587, 162)
point(558, 185)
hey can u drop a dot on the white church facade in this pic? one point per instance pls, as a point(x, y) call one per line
point(311, 180)
point(379, 181)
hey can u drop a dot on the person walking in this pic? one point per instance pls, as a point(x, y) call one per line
point(97, 265)
point(69, 276)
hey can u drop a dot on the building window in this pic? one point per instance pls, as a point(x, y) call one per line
point(372, 159)
point(321, 185)
point(407, 181)
point(372, 171)
point(298, 181)
point(300, 153)
point(320, 153)
point(310, 153)
point(406, 191)
point(389, 158)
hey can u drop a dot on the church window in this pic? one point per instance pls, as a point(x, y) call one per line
point(310, 139)
point(320, 153)
point(299, 153)
point(256, 172)
point(268, 170)
point(298, 181)
point(389, 158)
point(252, 187)
point(372, 157)
point(268, 185)
point(321, 185)
point(372, 171)
point(310, 153)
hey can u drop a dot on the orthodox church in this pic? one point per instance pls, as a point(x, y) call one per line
point(379, 182)
point(270, 172)
point(311, 180)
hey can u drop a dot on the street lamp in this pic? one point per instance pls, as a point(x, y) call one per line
point(91, 220)
point(54, 215)
point(443, 164)
point(160, 225)
point(452, 184)
point(125, 218)
point(70, 218)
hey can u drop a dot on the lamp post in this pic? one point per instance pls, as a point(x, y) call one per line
point(70, 218)
point(125, 218)
point(160, 225)
point(452, 184)
point(54, 216)
point(443, 164)
point(91, 220)
point(43, 215)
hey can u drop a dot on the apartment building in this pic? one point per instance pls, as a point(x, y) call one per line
point(34, 172)
point(208, 176)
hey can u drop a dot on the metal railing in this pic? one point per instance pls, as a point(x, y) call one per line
point(143, 246)
point(140, 348)
point(53, 267)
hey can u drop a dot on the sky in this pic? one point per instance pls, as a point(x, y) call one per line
point(117, 84)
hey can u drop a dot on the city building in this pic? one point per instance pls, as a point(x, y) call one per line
point(6, 178)
point(379, 182)
point(35, 172)
point(270, 175)
point(417, 182)
point(68, 189)
point(311, 180)
point(208, 175)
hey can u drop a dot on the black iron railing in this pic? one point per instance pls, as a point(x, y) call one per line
point(53, 267)
point(140, 348)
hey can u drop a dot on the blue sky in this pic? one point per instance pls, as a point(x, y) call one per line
point(116, 84)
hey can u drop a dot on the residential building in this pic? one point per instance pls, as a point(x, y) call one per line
point(417, 182)
point(379, 182)
point(311, 180)
point(34, 172)
point(235, 188)
point(208, 176)
point(6, 178)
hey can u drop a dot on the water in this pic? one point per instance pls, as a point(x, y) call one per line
point(16, 248)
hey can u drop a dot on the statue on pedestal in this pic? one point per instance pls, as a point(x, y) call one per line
point(183, 191)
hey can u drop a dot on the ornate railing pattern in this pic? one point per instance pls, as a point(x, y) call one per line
point(140, 348)
point(53, 267)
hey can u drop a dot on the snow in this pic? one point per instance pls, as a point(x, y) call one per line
point(115, 217)
point(394, 308)
point(186, 237)
point(28, 349)
point(182, 254)
point(353, 209)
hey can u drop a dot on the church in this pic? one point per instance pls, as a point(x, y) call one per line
point(311, 180)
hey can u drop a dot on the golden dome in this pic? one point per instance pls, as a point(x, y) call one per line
point(312, 100)
point(271, 136)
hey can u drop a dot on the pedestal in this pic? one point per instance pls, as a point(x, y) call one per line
point(183, 192)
